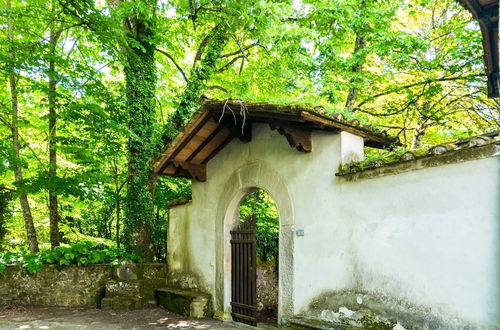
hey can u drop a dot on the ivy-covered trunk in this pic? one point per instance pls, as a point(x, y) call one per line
point(140, 77)
point(5, 210)
point(196, 86)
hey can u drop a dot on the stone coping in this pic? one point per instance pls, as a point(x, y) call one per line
point(438, 156)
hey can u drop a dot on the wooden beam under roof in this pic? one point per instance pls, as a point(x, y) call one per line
point(196, 171)
point(486, 13)
point(194, 125)
point(297, 137)
point(371, 140)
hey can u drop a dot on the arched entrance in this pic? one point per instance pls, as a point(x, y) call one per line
point(241, 183)
point(254, 260)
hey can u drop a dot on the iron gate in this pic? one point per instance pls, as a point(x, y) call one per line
point(244, 272)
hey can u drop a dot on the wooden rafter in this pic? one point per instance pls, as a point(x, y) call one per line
point(195, 171)
point(209, 139)
point(297, 137)
point(193, 127)
point(370, 139)
point(219, 148)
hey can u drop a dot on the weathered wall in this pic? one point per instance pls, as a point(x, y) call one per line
point(198, 256)
point(57, 285)
point(410, 245)
point(421, 246)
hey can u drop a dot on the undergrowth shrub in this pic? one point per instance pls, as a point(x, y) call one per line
point(80, 254)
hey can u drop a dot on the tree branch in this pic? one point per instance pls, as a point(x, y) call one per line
point(241, 50)
point(174, 62)
point(201, 48)
point(228, 65)
point(371, 98)
point(219, 88)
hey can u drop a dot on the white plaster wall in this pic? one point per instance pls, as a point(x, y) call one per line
point(194, 230)
point(429, 237)
point(351, 148)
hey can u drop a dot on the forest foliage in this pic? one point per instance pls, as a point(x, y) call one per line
point(262, 206)
point(93, 89)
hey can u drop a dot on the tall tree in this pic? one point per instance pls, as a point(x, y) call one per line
point(140, 77)
point(17, 162)
point(358, 56)
point(91, 105)
point(54, 35)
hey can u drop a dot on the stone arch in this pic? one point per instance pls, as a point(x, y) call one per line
point(248, 178)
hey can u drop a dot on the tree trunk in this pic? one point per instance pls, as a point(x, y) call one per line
point(420, 131)
point(356, 69)
point(52, 178)
point(140, 78)
point(18, 171)
point(118, 207)
point(117, 202)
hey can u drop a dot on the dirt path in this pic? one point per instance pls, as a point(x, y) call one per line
point(84, 318)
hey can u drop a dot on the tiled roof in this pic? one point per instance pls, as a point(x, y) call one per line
point(298, 112)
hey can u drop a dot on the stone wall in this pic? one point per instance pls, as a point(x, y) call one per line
point(57, 285)
point(267, 287)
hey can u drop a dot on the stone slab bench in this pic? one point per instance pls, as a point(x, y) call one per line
point(185, 302)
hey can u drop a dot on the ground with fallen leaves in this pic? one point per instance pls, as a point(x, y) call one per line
point(86, 318)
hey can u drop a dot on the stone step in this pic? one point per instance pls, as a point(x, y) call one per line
point(123, 289)
point(121, 303)
point(185, 302)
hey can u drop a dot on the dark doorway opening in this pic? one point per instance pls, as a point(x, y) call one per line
point(254, 250)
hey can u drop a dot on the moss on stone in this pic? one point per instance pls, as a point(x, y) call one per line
point(57, 285)
point(121, 303)
point(398, 162)
point(186, 302)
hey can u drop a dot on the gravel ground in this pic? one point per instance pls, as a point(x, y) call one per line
point(86, 318)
